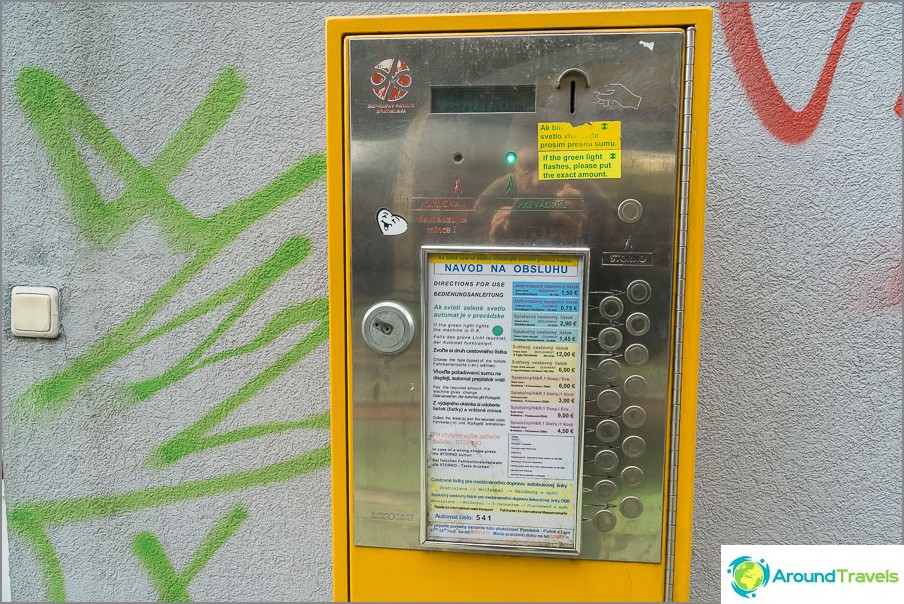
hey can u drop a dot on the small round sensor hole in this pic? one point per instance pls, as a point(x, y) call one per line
point(458, 158)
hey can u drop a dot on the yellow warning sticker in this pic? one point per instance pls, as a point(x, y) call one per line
point(591, 150)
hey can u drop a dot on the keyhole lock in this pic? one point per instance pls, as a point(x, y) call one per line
point(388, 328)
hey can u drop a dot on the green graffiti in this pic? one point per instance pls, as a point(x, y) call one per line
point(57, 114)
point(246, 290)
point(28, 526)
point(54, 111)
point(172, 586)
point(31, 520)
point(66, 511)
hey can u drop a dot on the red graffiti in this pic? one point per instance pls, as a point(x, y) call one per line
point(875, 275)
point(893, 298)
point(898, 105)
point(779, 118)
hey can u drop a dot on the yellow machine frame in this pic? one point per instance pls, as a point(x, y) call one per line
point(370, 574)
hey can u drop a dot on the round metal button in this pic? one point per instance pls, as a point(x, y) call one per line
point(630, 210)
point(604, 521)
point(608, 401)
point(387, 327)
point(608, 370)
point(637, 324)
point(632, 476)
point(634, 416)
point(633, 447)
point(605, 460)
point(605, 490)
point(607, 430)
point(635, 385)
point(638, 291)
point(612, 307)
point(610, 338)
point(630, 507)
point(636, 354)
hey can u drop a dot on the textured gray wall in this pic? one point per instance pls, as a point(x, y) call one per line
point(799, 426)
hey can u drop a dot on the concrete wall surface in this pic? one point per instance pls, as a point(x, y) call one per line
point(163, 167)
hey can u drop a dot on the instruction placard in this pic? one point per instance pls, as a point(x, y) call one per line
point(588, 151)
point(503, 391)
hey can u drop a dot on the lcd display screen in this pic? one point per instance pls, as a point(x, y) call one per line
point(483, 99)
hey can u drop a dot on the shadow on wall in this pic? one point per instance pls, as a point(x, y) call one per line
point(6, 593)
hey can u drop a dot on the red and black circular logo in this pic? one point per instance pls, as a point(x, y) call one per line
point(390, 79)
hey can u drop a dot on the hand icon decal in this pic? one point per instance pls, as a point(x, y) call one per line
point(616, 95)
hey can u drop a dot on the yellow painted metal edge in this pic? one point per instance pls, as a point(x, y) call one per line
point(692, 306)
point(535, 20)
point(335, 180)
point(337, 28)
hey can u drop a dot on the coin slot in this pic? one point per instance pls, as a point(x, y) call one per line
point(571, 108)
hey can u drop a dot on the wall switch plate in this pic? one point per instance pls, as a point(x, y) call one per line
point(35, 312)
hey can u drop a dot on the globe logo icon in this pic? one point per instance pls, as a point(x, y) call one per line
point(748, 575)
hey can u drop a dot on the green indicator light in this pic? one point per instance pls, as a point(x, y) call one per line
point(510, 157)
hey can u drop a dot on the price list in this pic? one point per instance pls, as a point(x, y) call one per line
point(543, 388)
point(504, 356)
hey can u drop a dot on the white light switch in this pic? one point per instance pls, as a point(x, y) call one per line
point(35, 312)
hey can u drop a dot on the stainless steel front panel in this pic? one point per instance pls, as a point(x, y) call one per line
point(420, 178)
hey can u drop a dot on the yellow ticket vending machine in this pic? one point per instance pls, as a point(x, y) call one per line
point(515, 245)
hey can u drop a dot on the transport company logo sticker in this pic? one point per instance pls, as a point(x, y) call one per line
point(390, 79)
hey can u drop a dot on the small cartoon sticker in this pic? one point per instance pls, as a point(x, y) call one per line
point(391, 224)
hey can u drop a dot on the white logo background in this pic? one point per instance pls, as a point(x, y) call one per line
point(808, 559)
